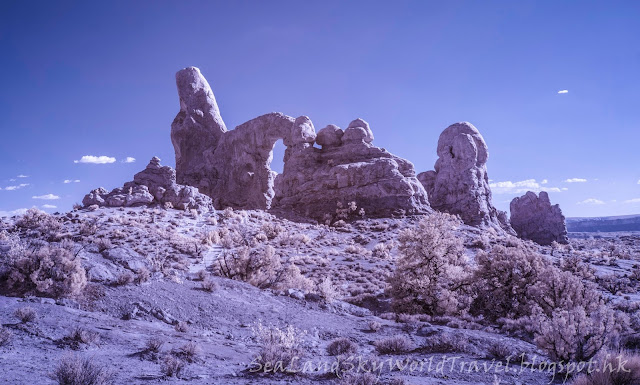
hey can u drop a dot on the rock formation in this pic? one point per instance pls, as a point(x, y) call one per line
point(533, 217)
point(155, 184)
point(233, 167)
point(459, 184)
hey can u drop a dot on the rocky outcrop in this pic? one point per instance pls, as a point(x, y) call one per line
point(156, 184)
point(533, 217)
point(459, 184)
point(233, 167)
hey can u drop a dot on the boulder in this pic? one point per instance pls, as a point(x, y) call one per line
point(156, 184)
point(534, 218)
point(459, 183)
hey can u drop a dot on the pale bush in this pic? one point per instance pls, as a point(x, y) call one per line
point(327, 291)
point(271, 230)
point(261, 268)
point(341, 346)
point(394, 345)
point(172, 366)
point(374, 326)
point(382, 251)
point(80, 337)
point(48, 270)
point(26, 314)
point(74, 370)
point(181, 327)
point(617, 369)
point(446, 343)
point(502, 280)
point(363, 378)
point(124, 278)
point(573, 334)
point(35, 219)
point(188, 352)
point(280, 348)
point(430, 269)
point(209, 285)
point(5, 336)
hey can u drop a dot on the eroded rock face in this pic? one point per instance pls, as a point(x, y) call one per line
point(156, 184)
point(459, 184)
point(533, 217)
point(349, 170)
point(233, 167)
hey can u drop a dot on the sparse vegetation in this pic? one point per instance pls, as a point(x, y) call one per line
point(341, 346)
point(26, 314)
point(75, 370)
point(394, 345)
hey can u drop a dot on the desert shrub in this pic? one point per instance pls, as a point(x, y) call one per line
point(188, 352)
point(279, 347)
point(142, 275)
point(181, 327)
point(363, 378)
point(617, 369)
point(26, 314)
point(103, 244)
point(431, 270)
point(5, 336)
point(35, 219)
point(502, 280)
point(74, 370)
point(394, 345)
point(172, 366)
point(48, 270)
point(80, 337)
point(446, 343)
point(574, 264)
point(327, 291)
point(124, 278)
point(261, 268)
point(374, 326)
point(382, 251)
point(209, 285)
point(500, 350)
point(614, 284)
point(341, 346)
point(271, 230)
point(154, 345)
point(573, 334)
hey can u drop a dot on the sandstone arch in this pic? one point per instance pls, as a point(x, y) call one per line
point(232, 167)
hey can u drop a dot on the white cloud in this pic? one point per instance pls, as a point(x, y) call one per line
point(129, 159)
point(95, 159)
point(544, 181)
point(520, 187)
point(49, 207)
point(575, 180)
point(18, 187)
point(639, 181)
point(12, 213)
point(23, 176)
point(563, 91)
point(635, 200)
point(591, 201)
point(47, 197)
point(71, 181)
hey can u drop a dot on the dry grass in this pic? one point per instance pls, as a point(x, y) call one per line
point(73, 370)
point(394, 345)
point(26, 314)
point(341, 346)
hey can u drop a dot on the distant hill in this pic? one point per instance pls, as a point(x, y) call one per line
point(604, 224)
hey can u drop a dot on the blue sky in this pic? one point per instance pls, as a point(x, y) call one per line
point(97, 78)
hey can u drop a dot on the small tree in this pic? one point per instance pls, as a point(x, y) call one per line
point(431, 270)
